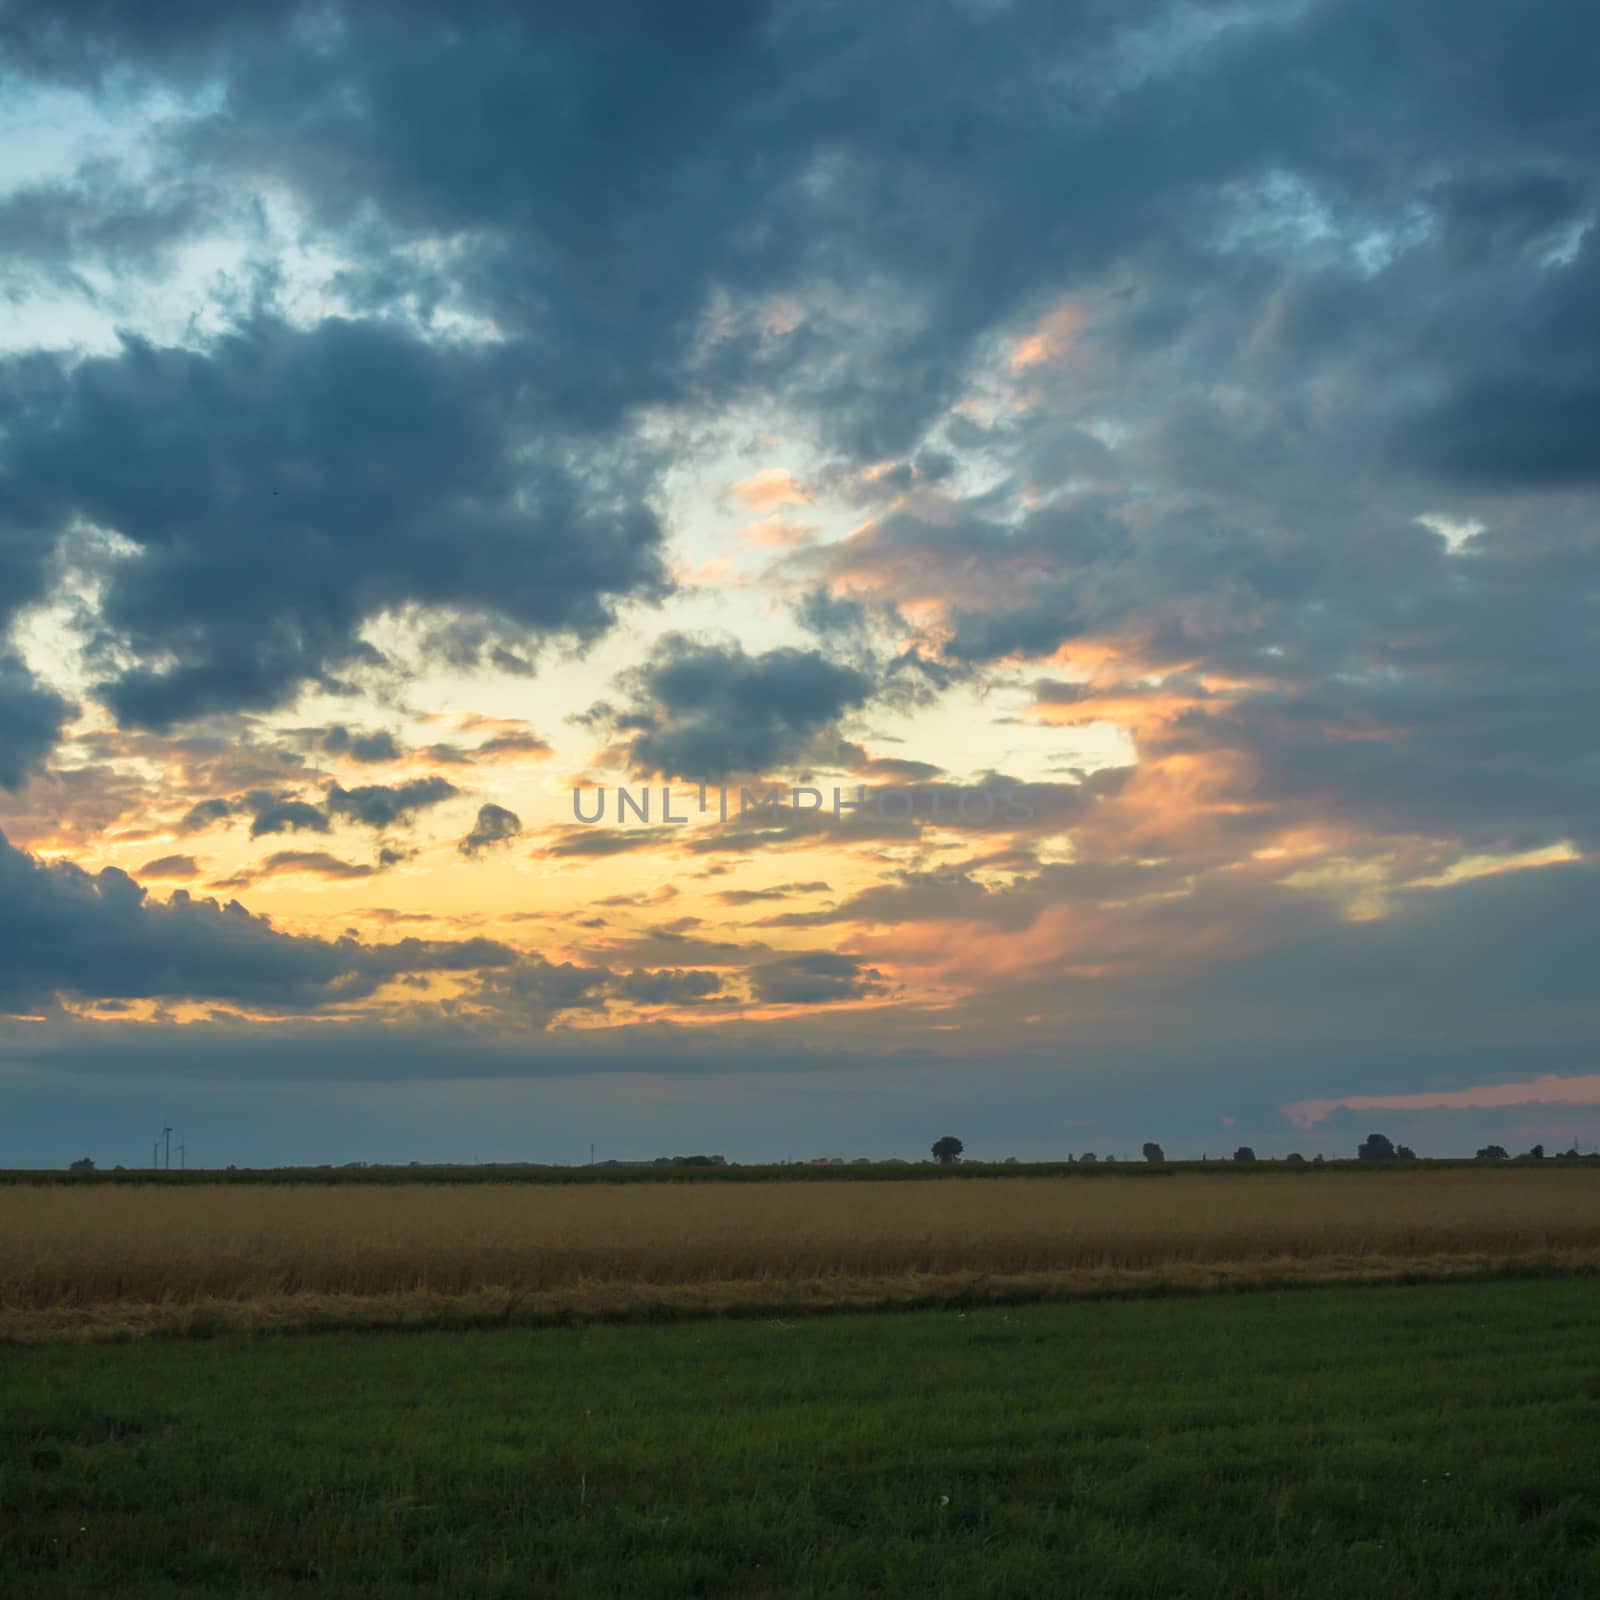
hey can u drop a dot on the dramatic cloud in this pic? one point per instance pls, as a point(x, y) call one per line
point(817, 979)
point(495, 825)
point(205, 814)
point(536, 991)
point(379, 746)
point(31, 718)
point(284, 486)
point(382, 806)
point(280, 814)
point(667, 987)
point(698, 710)
point(64, 931)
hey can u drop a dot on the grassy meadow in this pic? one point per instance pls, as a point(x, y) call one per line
point(1433, 1441)
point(111, 1261)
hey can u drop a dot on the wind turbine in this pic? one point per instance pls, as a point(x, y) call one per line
point(166, 1133)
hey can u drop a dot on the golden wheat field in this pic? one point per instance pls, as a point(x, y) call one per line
point(104, 1260)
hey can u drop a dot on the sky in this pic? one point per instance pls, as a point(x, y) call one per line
point(1140, 458)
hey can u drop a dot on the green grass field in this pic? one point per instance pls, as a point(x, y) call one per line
point(1426, 1441)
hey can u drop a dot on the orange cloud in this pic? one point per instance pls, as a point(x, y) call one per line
point(778, 531)
point(1140, 710)
point(1185, 801)
point(1050, 340)
point(718, 570)
point(1583, 1090)
point(768, 489)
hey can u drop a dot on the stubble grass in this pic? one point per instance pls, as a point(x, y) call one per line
point(113, 1262)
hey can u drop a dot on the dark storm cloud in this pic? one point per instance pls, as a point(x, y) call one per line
point(668, 987)
point(97, 218)
point(602, 259)
point(205, 814)
point(1478, 981)
point(1485, 216)
point(701, 710)
point(283, 486)
point(1023, 584)
point(286, 813)
point(1514, 941)
point(1518, 426)
point(379, 805)
point(1442, 702)
point(1345, 657)
point(64, 931)
point(1485, 752)
point(537, 991)
point(1524, 413)
point(495, 825)
point(818, 978)
point(839, 621)
point(1188, 169)
point(31, 719)
point(758, 148)
point(378, 746)
point(1499, 957)
point(428, 1047)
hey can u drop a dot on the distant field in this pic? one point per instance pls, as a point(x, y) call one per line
point(787, 1172)
point(111, 1261)
point(1365, 1444)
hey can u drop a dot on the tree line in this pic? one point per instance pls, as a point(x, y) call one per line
point(1375, 1147)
